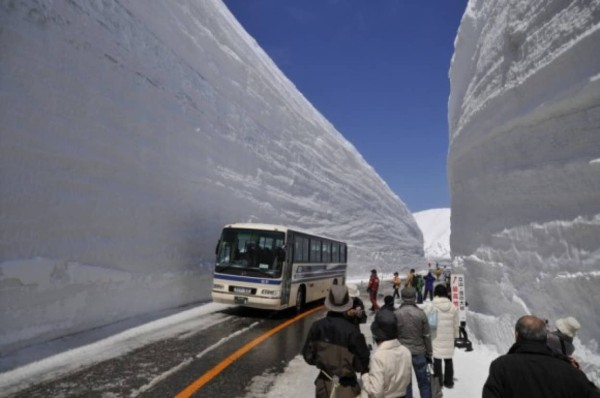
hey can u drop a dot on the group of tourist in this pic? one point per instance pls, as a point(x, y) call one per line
point(404, 342)
point(539, 364)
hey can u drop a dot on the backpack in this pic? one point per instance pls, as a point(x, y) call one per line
point(432, 318)
point(413, 282)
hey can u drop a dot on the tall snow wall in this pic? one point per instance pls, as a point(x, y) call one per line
point(131, 132)
point(524, 167)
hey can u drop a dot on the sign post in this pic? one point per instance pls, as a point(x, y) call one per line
point(459, 298)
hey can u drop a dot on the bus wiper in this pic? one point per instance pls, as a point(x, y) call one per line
point(224, 267)
point(264, 273)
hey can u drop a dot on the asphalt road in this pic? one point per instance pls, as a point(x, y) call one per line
point(168, 367)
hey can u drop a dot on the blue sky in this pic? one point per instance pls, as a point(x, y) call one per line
point(378, 71)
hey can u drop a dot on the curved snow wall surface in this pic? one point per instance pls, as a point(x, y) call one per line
point(131, 132)
point(524, 167)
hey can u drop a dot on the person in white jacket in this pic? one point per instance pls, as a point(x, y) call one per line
point(390, 369)
point(443, 335)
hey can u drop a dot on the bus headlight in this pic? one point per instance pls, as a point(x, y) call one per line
point(271, 293)
point(218, 286)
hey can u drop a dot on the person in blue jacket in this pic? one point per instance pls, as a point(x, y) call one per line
point(429, 279)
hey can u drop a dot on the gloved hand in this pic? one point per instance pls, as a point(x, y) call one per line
point(428, 359)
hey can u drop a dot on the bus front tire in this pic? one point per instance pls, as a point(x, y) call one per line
point(300, 300)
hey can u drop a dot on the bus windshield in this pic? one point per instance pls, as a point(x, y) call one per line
point(251, 252)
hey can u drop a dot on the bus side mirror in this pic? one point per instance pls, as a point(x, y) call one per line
point(217, 248)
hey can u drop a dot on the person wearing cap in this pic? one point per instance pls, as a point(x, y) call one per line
point(337, 348)
point(561, 340)
point(357, 313)
point(531, 370)
point(390, 369)
point(373, 288)
point(413, 333)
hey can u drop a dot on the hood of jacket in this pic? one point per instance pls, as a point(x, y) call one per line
point(442, 304)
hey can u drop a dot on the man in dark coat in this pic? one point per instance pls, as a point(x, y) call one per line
point(531, 370)
point(337, 347)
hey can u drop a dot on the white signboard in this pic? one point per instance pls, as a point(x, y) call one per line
point(458, 295)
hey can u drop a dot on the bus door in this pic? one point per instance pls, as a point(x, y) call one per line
point(286, 275)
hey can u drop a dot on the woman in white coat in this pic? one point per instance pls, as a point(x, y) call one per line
point(443, 335)
point(390, 369)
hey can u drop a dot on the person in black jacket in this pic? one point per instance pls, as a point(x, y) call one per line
point(531, 370)
point(337, 347)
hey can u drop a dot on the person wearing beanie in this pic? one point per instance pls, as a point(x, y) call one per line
point(390, 369)
point(337, 348)
point(561, 340)
point(413, 333)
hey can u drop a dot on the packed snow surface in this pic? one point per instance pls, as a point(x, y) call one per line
point(131, 132)
point(524, 117)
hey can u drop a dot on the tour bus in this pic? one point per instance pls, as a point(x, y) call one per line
point(274, 267)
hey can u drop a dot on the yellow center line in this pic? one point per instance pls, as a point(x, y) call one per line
point(208, 376)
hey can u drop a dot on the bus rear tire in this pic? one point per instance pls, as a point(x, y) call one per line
point(300, 299)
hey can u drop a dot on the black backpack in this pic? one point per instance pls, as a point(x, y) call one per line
point(413, 282)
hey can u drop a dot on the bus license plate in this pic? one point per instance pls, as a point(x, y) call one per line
point(243, 290)
point(240, 300)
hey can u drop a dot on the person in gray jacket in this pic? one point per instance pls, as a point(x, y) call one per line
point(413, 333)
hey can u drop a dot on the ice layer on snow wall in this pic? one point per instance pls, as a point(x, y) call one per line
point(131, 132)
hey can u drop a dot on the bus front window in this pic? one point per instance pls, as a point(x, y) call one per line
point(251, 252)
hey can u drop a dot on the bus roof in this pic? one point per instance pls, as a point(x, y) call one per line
point(274, 227)
point(262, 227)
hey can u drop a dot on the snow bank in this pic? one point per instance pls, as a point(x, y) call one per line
point(435, 225)
point(524, 116)
point(131, 133)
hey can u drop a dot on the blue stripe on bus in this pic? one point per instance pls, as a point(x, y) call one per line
point(312, 278)
point(248, 279)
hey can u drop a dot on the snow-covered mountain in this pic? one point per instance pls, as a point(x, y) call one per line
point(524, 117)
point(435, 225)
point(131, 132)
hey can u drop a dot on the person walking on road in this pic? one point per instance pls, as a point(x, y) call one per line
point(429, 279)
point(396, 282)
point(373, 288)
point(410, 279)
point(444, 335)
point(413, 333)
point(419, 287)
point(337, 348)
